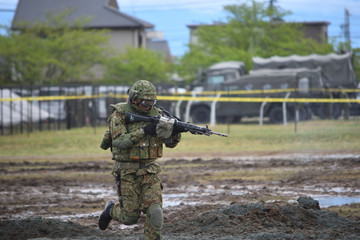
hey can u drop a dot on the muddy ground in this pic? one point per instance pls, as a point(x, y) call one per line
point(239, 196)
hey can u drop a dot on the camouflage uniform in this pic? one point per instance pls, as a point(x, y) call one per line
point(135, 153)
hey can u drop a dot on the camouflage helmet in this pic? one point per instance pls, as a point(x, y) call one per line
point(142, 89)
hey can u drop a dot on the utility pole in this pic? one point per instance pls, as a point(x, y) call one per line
point(346, 29)
point(271, 8)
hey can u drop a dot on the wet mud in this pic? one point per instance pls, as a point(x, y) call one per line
point(253, 197)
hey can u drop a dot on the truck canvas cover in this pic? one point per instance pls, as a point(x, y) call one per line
point(336, 69)
point(291, 74)
point(228, 64)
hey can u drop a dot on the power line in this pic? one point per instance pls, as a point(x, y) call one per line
point(189, 3)
point(177, 10)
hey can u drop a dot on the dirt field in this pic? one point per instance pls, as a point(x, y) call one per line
point(238, 196)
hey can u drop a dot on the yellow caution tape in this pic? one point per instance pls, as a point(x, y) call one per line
point(234, 92)
point(51, 98)
point(190, 98)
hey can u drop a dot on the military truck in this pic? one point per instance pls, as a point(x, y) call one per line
point(258, 84)
point(323, 71)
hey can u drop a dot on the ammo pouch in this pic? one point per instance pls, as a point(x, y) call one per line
point(146, 148)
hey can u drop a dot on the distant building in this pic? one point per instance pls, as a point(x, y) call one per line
point(315, 30)
point(124, 29)
point(160, 46)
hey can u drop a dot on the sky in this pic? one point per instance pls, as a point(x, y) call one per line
point(173, 17)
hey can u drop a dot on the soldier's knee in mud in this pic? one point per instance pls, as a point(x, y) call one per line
point(155, 215)
point(129, 220)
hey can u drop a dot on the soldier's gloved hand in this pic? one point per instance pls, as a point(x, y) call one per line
point(178, 129)
point(164, 128)
point(150, 129)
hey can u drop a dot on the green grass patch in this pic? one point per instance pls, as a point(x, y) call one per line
point(351, 211)
point(75, 141)
point(310, 135)
point(341, 175)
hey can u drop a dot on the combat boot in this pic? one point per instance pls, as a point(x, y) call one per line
point(105, 217)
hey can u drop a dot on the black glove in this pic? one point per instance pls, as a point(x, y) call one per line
point(150, 129)
point(178, 129)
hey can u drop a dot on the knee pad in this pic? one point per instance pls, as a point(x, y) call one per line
point(155, 216)
point(129, 220)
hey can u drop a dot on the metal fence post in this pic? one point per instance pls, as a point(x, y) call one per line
point(284, 109)
point(213, 111)
point(11, 111)
point(262, 113)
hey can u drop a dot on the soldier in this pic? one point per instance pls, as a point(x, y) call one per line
point(135, 147)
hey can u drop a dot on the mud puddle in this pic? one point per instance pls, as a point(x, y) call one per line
point(328, 201)
point(253, 198)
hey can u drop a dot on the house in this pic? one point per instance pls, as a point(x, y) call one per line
point(160, 46)
point(315, 30)
point(124, 30)
point(156, 42)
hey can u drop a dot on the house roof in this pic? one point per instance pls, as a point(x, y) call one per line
point(104, 13)
point(160, 46)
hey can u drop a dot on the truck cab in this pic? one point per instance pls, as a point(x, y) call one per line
point(212, 79)
point(218, 73)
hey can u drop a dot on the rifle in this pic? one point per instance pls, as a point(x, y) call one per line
point(179, 126)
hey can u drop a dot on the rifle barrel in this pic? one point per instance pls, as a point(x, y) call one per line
point(219, 134)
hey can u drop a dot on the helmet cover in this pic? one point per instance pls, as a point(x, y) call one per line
point(143, 90)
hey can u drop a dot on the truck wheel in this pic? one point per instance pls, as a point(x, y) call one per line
point(276, 115)
point(303, 113)
point(236, 119)
point(222, 119)
point(337, 109)
point(326, 109)
point(308, 113)
point(200, 115)
point(227, 120)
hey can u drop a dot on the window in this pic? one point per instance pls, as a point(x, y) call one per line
point(215, 79)
point(303, 85)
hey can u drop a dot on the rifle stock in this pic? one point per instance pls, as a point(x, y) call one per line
point(134, 118)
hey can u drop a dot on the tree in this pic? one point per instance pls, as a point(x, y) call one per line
point(51, 52)
point(248, 32)
point(21, 58)
point(136, 64)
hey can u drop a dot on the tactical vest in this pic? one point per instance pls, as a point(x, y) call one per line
point(147, 149)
